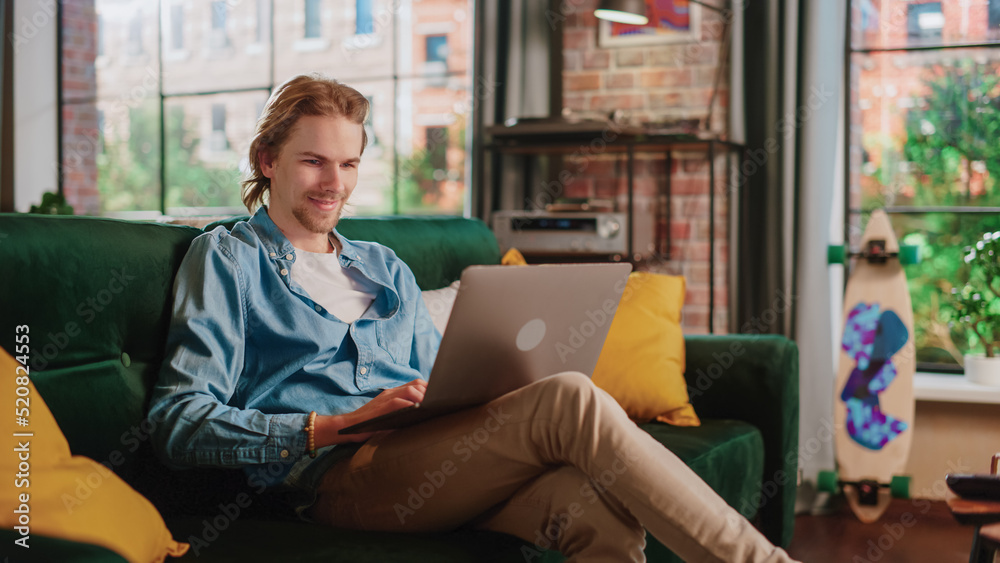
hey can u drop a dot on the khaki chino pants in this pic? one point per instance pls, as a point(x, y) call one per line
point(556, 463)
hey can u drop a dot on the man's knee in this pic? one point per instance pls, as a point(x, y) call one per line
point(570, 380)
point(567, 385)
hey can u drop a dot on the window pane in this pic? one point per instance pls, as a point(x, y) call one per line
point(129, 69)
point(441, 40)
point(364, 21)
point(437, 48)
point(177, 27)
point(334, 47)
point(941, 338)
point(929, 128)
point(128, 166)
point(432, 128)
point(221, 47)
point(374, 193)
point(891, 23)
point(207, 142)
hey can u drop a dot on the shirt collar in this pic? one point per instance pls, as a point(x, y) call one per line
point(277, 244)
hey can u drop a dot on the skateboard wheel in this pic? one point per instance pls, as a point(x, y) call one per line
point(835, 254)
point(900, 486)
point(827, 481)
point(909, 254)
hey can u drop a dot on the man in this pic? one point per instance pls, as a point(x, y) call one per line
point(284, 332)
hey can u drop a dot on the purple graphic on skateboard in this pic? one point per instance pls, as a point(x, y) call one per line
point(871, 337)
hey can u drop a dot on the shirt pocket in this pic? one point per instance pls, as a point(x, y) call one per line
point(395, 335)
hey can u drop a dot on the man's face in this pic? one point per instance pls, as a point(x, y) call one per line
point(314, 174)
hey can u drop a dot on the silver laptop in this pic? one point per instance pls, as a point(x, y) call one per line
point(511, 326)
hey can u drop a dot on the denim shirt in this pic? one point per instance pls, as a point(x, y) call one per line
point(249, 354)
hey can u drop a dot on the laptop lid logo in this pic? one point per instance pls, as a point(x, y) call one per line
point(530, 335)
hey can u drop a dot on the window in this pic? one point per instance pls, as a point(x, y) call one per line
point(134, 45)
point(312, 20)
point(219, 38)
point(364, 23)
point(179, 146)
point(437, 147)
point(100, 132)
point(100, 36)
point(177, 27)
point(926, 97)
point(261, 31)
point(437, 49)
point(219, 15)
point(218, 139)
point(924, 22)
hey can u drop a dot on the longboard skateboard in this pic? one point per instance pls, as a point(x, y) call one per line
point(873, 397)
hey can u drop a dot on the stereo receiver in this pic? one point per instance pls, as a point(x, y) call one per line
point(545, 232)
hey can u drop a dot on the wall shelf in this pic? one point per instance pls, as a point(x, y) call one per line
point(533, 142)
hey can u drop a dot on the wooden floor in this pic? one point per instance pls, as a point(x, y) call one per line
point(911, 531)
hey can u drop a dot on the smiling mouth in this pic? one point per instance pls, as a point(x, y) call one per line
point(325, 204)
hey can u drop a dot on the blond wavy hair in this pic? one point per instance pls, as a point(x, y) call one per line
point(305, 94)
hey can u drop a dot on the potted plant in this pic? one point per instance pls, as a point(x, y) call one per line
point(978, 307)
point(52, 204)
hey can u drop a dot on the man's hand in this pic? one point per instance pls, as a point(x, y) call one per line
point(389, 400)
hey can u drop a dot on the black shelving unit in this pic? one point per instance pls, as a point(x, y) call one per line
point(561, 139)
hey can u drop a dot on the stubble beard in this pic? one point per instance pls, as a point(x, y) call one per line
point(314, 221)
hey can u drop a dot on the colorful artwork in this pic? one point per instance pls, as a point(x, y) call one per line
point(871, 337)
point(670, 21)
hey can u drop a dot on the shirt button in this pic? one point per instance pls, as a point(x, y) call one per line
point(288, 257)
point(284, 453)
point(273, 255)
point(363, 370)
point(284, 272)
point(319, 309)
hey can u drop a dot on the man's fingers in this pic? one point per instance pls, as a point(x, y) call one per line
point(411, 393)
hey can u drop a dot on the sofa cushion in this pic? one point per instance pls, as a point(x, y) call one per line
point(219, 539)
point(44, 548)
point(726, 454)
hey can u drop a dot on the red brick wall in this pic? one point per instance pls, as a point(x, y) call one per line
point(657, 84)
point(79, 111)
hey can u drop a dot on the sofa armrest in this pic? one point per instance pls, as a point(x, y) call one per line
point(754, 378)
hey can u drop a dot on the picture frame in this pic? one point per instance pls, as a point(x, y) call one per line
point(661, 30)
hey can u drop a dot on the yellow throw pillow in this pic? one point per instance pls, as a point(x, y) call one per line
point(513, 257)
point(59, 495)
point(642, 362)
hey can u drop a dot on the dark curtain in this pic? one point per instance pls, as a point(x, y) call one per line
point(518, 74)
point(764, 254)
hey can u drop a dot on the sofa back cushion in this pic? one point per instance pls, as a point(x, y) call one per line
point(437, 249)
point(95, 295)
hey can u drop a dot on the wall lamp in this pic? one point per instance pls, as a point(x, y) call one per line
point(631, 12)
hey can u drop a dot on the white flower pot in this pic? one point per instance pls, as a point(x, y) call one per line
point(982, 370)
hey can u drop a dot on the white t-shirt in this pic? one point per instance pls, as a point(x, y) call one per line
point(344, 292)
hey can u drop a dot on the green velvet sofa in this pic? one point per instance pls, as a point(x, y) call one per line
point(96, 294)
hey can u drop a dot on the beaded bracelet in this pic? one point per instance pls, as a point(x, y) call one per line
point(310, 429)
